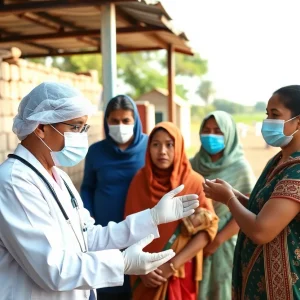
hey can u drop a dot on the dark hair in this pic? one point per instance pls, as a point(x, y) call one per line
point(119, 102)
point(290, 98)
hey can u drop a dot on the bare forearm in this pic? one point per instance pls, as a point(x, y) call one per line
point(244, 218)
point(231, 229)
point(241, 197)
point(198, 242)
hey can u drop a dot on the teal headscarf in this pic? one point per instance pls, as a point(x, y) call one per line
point(233, 166)
point(235, 169)
point(233, 151)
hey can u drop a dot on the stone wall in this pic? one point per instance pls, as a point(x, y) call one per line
point(18, 78)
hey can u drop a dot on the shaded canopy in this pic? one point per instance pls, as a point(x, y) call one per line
point(66, 27)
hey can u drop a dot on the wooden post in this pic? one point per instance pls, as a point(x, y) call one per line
point(108, 51)
point(171, 84)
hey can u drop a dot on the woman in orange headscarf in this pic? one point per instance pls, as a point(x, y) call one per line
point(166, 167)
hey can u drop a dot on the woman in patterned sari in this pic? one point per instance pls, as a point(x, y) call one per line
point(267, 255)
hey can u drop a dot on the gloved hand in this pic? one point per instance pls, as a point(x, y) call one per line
point(137, 262)
point(170, 209)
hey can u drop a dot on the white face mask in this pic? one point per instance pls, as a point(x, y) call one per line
point(121, 134)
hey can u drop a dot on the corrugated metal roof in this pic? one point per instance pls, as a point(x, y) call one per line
point(41, 28)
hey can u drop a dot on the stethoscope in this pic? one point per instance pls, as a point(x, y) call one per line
point(73, 200)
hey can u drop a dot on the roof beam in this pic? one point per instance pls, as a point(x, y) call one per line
point(67, 24)
point(49, 49)
point(38, 21)
point(56, 20)
point(13, 38)
point(128, 18)
point(30, 6)
point(96, 51)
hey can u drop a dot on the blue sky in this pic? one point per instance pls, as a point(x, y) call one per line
point(252, 47)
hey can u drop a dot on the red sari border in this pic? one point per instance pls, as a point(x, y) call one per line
point(277, 269)
point(252, 261)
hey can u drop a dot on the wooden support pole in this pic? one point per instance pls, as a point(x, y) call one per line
point(171, 84)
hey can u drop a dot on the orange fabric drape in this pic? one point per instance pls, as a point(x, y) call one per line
point(149, 185)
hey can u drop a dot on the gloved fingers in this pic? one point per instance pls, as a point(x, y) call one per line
point(158, 259)
point(187, 213)
point(145, 241)
point(152, 257)
point(174, 192)
point(191, 204)
point(188, 197)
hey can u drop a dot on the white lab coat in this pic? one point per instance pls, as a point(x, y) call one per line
point(40, 257)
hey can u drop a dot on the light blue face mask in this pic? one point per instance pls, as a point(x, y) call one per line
point(74, 151)
point(212, 143)
point(272, 132)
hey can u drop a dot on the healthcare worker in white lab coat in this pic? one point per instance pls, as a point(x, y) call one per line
point(49, 247)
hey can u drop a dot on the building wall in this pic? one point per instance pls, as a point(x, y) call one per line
point(159, 101)
point(16, 80)
point(147, 115)
point(183, 112)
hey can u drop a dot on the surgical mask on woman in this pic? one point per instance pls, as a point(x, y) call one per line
point(272, 132)
point(121, 133)
point(212, 143)
point(74, 151)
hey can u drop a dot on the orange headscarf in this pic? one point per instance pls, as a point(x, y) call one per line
point(150, 184)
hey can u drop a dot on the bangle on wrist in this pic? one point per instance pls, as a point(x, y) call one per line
point(173, 268)
point(230, 200)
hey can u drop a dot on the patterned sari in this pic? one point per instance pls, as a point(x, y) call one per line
point(271, 271)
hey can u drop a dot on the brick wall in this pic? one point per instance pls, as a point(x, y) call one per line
point(19, 78)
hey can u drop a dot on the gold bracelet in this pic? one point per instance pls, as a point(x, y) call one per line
point(230, 200)
point(173, 268)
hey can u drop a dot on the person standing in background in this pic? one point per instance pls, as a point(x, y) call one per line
point(109, 168)
point(221, 156)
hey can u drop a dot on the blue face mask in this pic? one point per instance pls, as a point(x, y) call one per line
point(212, 143)
point(75, 149)
point(272, 132)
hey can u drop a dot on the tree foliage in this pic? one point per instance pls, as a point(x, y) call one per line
point(260, 106)
point(141, 71)
point(228, 106)
point(206, 90)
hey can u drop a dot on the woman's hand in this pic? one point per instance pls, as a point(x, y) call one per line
point(153, 279)
point(166, 270)
point(211, 248)
point(218, 190)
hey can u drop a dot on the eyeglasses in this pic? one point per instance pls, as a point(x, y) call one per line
point(77, 127)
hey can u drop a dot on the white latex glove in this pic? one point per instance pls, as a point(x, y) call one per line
point(137, 262)
point(171, 208)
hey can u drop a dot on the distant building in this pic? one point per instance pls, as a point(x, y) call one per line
point(159, 98)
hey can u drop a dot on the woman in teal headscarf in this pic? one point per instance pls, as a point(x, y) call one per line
point(221, 156)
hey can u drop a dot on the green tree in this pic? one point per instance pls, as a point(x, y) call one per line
point(260, 106)
point(228, 106)
point(142, 71)
point(186, 65)
point(206, 90)
point(136, 71)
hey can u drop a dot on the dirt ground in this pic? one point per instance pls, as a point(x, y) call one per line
point(256, 152)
